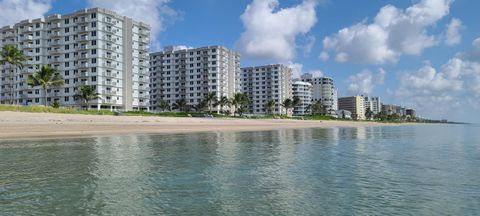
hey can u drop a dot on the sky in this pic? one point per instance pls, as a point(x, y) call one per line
point(422, 54)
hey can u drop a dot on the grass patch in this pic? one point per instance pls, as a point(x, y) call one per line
point(62, 110)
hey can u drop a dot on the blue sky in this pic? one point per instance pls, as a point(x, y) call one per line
point(418, 53)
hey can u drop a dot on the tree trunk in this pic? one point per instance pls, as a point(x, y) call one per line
point(45, 95)
point(11, 83)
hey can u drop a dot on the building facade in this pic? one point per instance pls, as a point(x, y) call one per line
point(323, 90)
point(354, 104)
point(192, 73)
point(94, 47)
point(302, 90)
point(263, 83)
point(373, 103)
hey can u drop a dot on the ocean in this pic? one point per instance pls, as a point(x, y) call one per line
point(397, 170)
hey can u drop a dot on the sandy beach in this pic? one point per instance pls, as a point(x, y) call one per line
point(18, 125)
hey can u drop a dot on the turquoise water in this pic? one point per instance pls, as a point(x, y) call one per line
point(405, 170)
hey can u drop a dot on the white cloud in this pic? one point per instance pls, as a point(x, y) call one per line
point(308, 44)
point(452, 35)
point(393, 32)
point(297, 69)
point(271, 32)
point(324, 56)
point(13, 11)
point(453, 86)
point(364, 82)
point(156, 13)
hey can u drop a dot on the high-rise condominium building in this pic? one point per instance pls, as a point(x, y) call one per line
point(192, 73)
point(269, 82)
point(302, 90)
point(94, 47)
point(373, 103)
point(323, 91)
point(354, 104)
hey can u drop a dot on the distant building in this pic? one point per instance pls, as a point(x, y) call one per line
point(411, 113)
point(268, 82)
point(373, 103)
point(324, 91)
point(344, 114)
point(391, 109)
point(354, 104)
point(302, 90)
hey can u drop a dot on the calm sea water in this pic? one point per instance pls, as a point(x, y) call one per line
point(405, 170)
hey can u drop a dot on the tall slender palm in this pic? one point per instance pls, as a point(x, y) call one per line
point(270, 106)
point(240, 103)
point(287, 104)
point(318, 108)
point(86, 94)
point(163, 105)
point(223, 102)
point(181, 105)
point(47, 78)
point(211, 98)
point(14, 58)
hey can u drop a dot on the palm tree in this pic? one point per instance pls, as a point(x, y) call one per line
point(46, 78)
point(181, 105)
point(223, 102)
point(86, 94)
point(210, 99)
point(369, 113)
point(202, 106)
point(318, 108)
point(270, 106)
point(163, 105)
point(14, 58)
point(287, 104)
point(240, 103)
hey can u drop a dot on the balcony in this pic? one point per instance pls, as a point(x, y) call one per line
point(109, 65)
point(83, 47)
point(83, 38)
point(112, 57)
point(110, 21)
point(109, 92)
point(144, 32)
point(83, 20)
point(9, 35)
point(143, 40)
point(81, 57)
point(110, 74)
point(26, 46)
point(56, 26)
point(143, 56)
point(27, 29)
point(28, 38)
point(109, 83)
point(56, 34)
point(111, 48)
point(55, 51)
point(109, 101)
point(83, 66)
point(83, 29)
point(56, 60)
point(144, 80)
point(55, 43)
point(83, 74)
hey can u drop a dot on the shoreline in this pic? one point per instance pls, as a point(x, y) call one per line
point(23, 125)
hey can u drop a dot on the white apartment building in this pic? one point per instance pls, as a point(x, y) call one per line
point(95, 47)
point(302, 90)
point(373, 103)
point(323, 91)
point(263, 83)
point(192, 73)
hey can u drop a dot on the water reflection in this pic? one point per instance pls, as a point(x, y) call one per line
point(337, 171)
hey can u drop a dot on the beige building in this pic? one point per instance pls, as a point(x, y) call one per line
point(354, 104)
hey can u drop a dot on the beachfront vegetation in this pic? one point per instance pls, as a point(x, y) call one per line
point(10, 55)
point(240, 103)
point(47, 78)
point(86, 94)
